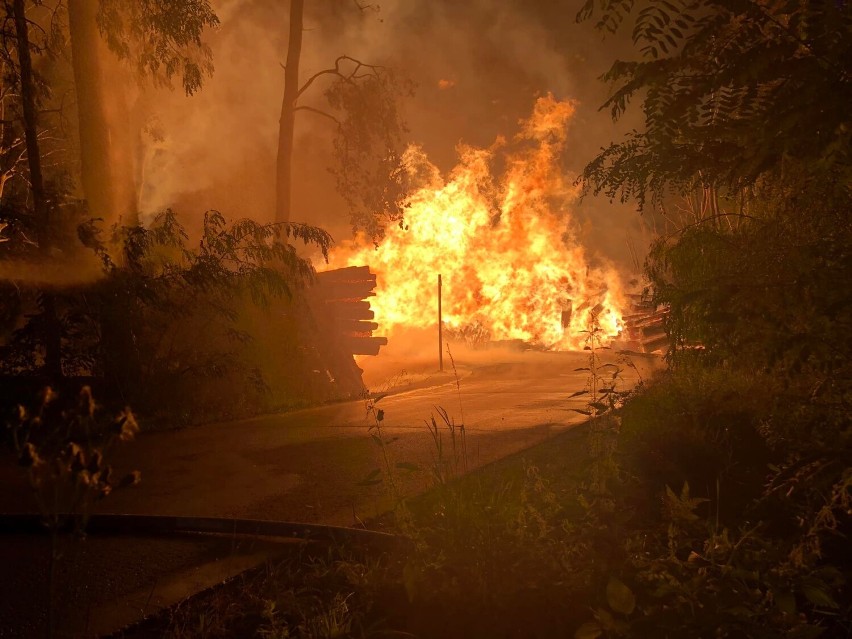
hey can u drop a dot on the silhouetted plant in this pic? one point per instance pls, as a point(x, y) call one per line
point(65, 448)
point(604, 393)
point(163, 324)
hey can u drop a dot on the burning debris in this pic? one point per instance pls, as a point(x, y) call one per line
point(503, 240)
point(644, 327)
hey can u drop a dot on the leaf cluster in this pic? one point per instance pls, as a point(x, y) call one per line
point(166, 319)
point(161, 39)
point(230, 258)
point(765, 296)
point(734, 93)
point(369, 148)
point(755, 549)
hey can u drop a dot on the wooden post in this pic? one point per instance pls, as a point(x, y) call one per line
point(440, 330)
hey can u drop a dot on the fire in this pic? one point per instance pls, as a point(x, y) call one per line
point(504, 245)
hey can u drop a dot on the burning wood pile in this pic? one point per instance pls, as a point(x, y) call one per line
point(340, 297)
point(506, 245)
point(644, 327)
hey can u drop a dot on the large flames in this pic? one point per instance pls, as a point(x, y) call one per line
point(511, 265)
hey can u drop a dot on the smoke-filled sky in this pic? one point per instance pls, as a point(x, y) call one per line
point(477, 65)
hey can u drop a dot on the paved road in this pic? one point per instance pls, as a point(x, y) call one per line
point(299, 466)
point(306, 465)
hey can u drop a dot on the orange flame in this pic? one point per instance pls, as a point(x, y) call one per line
point(505, 247)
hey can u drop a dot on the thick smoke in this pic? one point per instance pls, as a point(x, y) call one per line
point(478, 67)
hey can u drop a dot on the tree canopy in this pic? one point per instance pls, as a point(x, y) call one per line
point(370, 172)
point(734, 93)
point(162, 39)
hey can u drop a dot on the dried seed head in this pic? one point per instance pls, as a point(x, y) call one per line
point(29, 456)
point(48, 395)
point(71, 450)
point(84, 478)
point(95, 462)
point(87, 402)
point(125, 425)
point(131, 479)
point(78, 463)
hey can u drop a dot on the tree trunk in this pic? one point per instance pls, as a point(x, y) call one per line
point(105, 153)
point(52, 330)
point(124, 140)
point(288, 114)
point(28, 104)
point(5, 141)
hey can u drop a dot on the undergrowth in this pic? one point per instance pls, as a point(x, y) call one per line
point(708, 503)
point(311, 594)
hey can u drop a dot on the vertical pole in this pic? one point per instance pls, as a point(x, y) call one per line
point(440, 330)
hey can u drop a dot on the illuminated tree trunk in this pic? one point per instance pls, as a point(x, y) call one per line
point(105, 143)
point(284, 186)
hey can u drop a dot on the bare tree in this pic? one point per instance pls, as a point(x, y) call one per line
point(13, 149)
point(287, 122)
point(364, 96)
point(29, 105)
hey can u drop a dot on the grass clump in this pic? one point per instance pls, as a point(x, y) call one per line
point(310, 593)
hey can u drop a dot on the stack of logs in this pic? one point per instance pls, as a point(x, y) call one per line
point(340, 298)
point(644, 327)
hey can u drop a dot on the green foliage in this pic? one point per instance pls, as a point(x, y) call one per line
point(231, 259)
point(166, 325)
point(764, 295)
point(486, 548)
point(306, 611)
point(754, 553)
point(162, 39)
point(477, 543)
point(702, 427)
point(175, 312)
point(604, 393)
point(447, 463)
point(734, 94)
point(370, 169)
point(387, 472)
point(745, 104)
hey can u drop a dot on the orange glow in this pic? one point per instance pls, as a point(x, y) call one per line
point(504, 245)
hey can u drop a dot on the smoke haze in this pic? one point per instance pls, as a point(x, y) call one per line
point(478, 67)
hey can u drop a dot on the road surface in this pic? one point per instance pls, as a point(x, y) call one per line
point(306, 465)
point(302, 466)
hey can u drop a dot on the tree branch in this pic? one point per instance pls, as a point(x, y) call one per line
point(336, 71)
point(365, 6)
point(319, 112)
